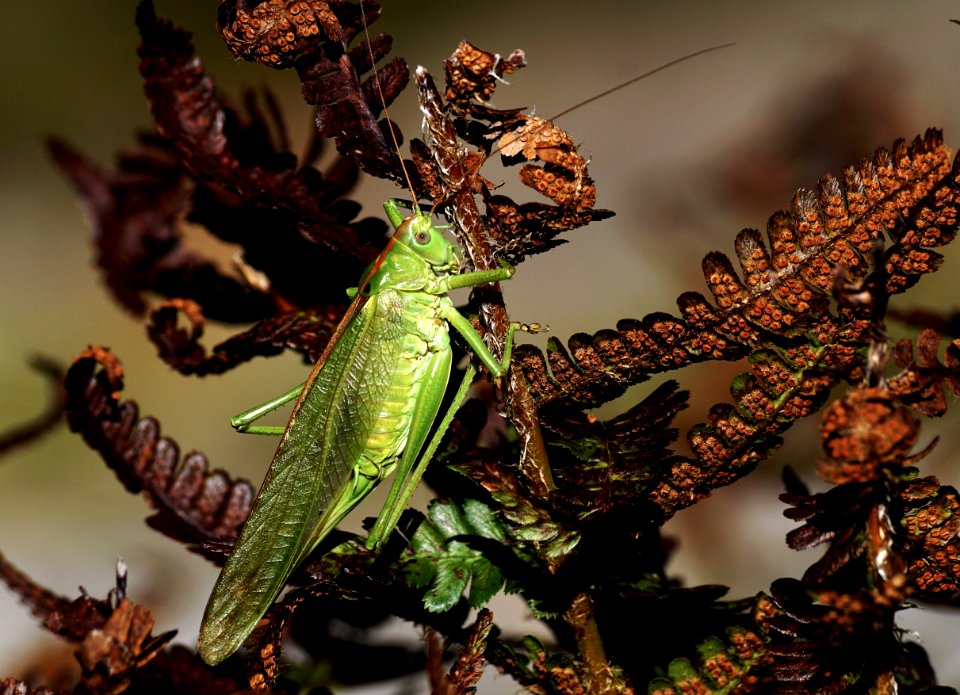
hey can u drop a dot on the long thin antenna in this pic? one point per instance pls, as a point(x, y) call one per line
point(629, 82)
point(595, 97)
point(386, 113)
point(620, 86)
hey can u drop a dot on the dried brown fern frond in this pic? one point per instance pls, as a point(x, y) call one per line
point(888, 538)
point(188, 112)
point(515, 230)
point(314, 37)
point(306, 331)
point(832, 642)
point(229, 170)
point(457, 178)
point(276, 33)
point(135, 212)
point(13, 686)
point(115, 645)
point(192, 503)
point(921, 383)
point(467, 668)
point(779, 315)
point(929, 515)
point(785, 290)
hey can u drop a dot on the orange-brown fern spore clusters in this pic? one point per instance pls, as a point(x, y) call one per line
point(563, 178)
point(931, 528)
point(277, 32)
point(778, 311)
point(863, 432)
point(471, 72)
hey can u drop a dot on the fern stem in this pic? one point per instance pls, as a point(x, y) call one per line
point(463, 207)
point(601, 679)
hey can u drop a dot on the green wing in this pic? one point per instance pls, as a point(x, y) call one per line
point(309, 486)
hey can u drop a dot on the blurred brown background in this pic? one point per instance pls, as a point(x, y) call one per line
point(686, 159)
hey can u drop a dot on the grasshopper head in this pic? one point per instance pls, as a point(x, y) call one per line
point(419, 235)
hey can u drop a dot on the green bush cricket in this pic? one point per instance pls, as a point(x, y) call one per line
point(366, 409)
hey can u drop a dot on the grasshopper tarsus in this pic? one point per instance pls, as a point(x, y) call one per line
point(531, 328)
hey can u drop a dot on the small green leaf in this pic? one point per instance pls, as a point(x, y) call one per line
point(483, 520)
point(486, 582)
point(450, 581)
point(449, 566)
point(447, 520)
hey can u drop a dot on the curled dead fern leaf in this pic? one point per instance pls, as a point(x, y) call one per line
point(192, 503)
point(53, 611)
point(135, 212)
point(347, 108)
point(831, 642)
point(115, 645)
point(515, 230)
